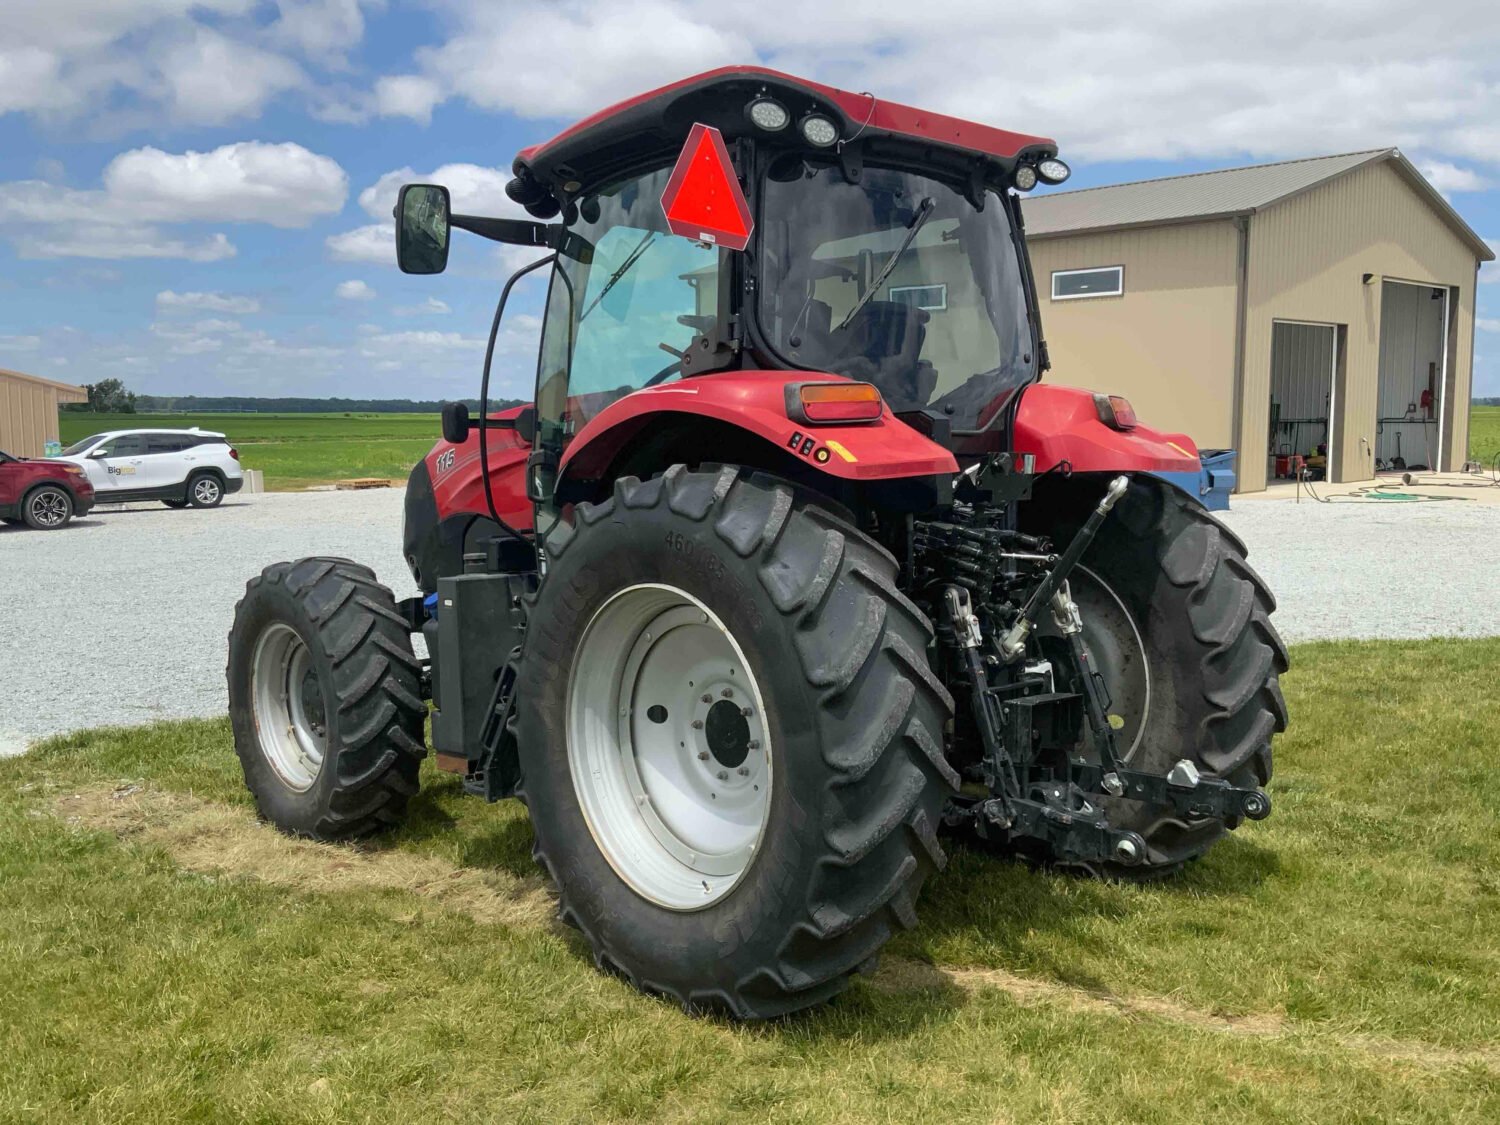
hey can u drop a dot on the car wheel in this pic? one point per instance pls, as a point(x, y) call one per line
point(205, 491)
point(48, 508)
point(175, 503)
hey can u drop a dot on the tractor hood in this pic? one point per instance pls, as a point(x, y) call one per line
point(656, 124)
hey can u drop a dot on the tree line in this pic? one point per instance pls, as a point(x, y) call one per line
point(110, 396)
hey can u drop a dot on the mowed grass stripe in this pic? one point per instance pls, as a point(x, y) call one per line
point(1335, 962)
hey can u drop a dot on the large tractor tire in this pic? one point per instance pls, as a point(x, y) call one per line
point(730, 741)
point(1178, 624)
point(325, 699)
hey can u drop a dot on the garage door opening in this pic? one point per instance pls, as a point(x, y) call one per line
point(1413, 367)
point(1304, 359)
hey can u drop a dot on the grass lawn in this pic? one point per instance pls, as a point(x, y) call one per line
point(1484, 433)
point(295, 450)
point(164, 957)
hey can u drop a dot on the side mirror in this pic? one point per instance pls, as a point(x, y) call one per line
point(456, 422)
point(422, 228)
point(99, 451)
point(526, 425)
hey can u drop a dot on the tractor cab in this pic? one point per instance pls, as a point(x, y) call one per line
point(747, 220)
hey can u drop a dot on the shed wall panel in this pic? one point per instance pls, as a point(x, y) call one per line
point(1307, 256)
point(1167, 343)
point(28, 413)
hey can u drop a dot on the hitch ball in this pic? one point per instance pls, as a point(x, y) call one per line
point(1257, 805)
point(1130, 849)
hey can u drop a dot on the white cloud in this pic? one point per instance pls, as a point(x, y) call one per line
point(120, 243)
point(473, 190)
point(375, 243)
point(354, 291)
point(430, 307)
point(283, 185)
point(322, 29)
point(379, 345)
point(19, 343)
point(1109, 80)
point(236, 304)
point(210, 79)
point(407, 95)
point(1449, 178)
point(155, 62)
point(1483, 323)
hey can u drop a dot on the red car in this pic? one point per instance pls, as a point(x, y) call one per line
point(42, 494)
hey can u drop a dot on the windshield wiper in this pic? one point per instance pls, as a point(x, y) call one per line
point(619, 273)
point(924, 212)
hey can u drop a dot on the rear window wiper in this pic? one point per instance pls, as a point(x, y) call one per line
point(924, 212)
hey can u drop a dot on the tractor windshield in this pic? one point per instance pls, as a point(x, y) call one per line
point(897, 280)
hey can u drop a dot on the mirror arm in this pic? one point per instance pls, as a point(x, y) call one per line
point(516, 232)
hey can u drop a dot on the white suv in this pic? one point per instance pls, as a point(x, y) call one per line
point(177, 467)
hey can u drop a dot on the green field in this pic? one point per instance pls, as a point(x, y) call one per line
point(1484, 433)
point(295, 450)
point(165, 957)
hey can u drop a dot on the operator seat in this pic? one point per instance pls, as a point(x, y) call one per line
point(883, 345)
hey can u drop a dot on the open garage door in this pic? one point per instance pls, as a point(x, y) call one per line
point(1413, 362)
point(1304, 357)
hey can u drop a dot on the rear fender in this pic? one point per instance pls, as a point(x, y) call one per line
point(753, 403)
point(1057, 424)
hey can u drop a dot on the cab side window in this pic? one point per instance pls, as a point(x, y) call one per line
point(165, 443)
point(127, 445)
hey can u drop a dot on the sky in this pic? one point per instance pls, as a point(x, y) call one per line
point(195, 197)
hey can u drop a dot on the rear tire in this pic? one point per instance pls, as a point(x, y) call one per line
point(853, 720)
point(1186, 645)
point(205, 490)
point(47, 508)
point(325, 699)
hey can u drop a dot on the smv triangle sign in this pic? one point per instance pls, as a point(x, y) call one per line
point(703, 200)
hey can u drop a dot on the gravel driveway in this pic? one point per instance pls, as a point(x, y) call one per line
point(122, 618)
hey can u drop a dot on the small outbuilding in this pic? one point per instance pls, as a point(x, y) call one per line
point(1318, 309)
point(28, 411)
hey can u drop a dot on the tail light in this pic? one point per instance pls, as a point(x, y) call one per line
point(833, 402)
point(235, 453)
point(1116, 412)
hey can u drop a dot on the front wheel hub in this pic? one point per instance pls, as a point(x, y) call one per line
point(668, 746)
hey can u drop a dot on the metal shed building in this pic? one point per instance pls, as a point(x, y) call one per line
point(1271, 309)
point(28, 411)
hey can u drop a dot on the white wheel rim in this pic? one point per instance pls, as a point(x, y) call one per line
point(288, 713)
point(206, 490)
point(668, 746)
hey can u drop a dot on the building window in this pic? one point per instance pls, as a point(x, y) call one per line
point(1070, 285)
point(933, 298)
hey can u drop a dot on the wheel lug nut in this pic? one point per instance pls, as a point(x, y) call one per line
point(703, 755)
point(707, 698)
point(744, 771)
point(723, 775)
point(752, 745)
point(745, 711)
point(727, 693)
point(697, 724)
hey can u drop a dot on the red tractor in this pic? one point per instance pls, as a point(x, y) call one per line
point(792, 565)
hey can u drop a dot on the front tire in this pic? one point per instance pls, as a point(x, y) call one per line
point(715, 579)
point(1178, 624)
point(325, 699)
point(47, 508)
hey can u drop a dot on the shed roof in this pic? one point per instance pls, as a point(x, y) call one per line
point(1222, 194)
point(66, 392)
